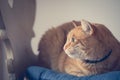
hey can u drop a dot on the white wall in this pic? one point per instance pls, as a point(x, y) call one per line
point(55, 12)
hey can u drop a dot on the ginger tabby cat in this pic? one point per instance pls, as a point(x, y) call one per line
point(89, 49)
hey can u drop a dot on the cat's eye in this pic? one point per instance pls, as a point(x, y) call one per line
point(73, 39)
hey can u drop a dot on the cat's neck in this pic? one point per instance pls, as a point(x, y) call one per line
point(95, 61)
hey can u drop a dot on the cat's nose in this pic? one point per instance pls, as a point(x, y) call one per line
point(66, 46)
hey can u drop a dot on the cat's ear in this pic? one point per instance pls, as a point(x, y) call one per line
point(74, 24)
point(86, 26)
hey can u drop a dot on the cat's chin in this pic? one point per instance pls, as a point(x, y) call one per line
point(69, 54)
point(72, 55)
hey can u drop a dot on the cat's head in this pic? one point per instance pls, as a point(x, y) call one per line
point(86, 41)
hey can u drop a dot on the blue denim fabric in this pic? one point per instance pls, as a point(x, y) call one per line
point(39, 73)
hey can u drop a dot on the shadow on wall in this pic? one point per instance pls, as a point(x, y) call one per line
point(19, 22)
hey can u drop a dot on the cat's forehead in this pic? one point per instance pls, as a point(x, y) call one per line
point(77, 32)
